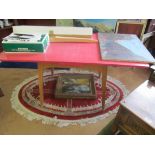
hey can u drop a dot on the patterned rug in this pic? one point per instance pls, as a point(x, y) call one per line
point(63, 112)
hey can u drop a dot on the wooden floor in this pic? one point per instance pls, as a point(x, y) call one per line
point(13, 123)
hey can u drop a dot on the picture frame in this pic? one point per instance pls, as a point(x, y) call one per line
point(98, 25)
point(75, 86)
point(136, 27)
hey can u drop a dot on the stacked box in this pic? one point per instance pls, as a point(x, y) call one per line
point(25, 42)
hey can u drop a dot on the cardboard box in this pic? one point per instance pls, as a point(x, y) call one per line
point(25, 42)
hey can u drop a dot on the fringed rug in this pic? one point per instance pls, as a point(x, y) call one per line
point(63, 112)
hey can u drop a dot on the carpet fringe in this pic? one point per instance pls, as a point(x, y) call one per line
point(19, 108)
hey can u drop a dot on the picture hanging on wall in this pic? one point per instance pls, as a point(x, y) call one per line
point(98, 25)
point(64, 22)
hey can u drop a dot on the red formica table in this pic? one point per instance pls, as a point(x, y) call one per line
point(78, 55)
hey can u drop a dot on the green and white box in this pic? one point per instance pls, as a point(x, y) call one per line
point(25, 42)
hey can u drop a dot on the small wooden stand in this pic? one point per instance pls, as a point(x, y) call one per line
point(136, 113)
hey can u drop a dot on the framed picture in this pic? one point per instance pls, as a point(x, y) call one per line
point(64, 22)
point(136, 27)
point(80, 86)
point(98, 25)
